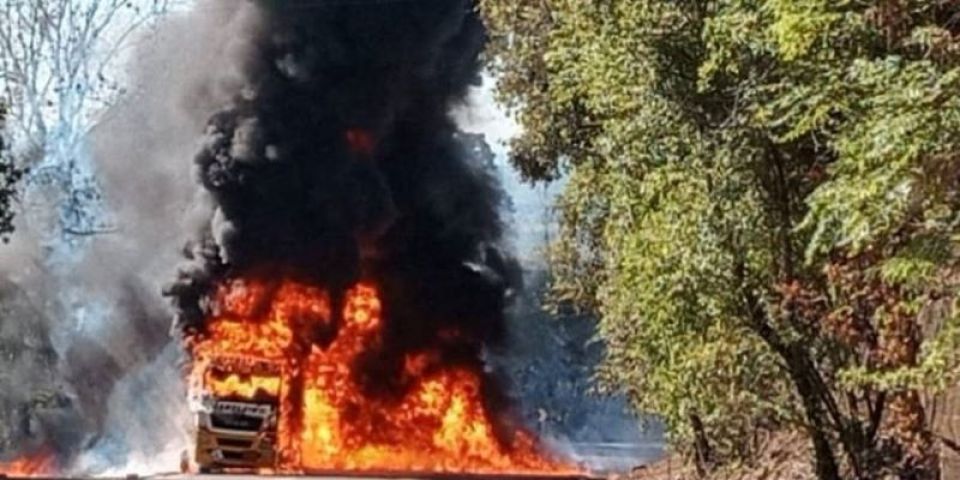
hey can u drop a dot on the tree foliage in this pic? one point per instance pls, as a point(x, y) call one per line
point(762, 204)
point(10, 174)
point(59, 70)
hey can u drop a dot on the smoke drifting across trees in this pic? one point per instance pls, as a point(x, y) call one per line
point(98, 307)
point(59, 71)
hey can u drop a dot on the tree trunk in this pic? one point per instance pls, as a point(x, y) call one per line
point(817, 428)
point(703, 453)
point(810, 396)
point(802, 374)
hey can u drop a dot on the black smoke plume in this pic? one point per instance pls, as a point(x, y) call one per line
point(337, 160)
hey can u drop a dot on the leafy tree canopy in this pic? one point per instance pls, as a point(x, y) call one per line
point(762, 205)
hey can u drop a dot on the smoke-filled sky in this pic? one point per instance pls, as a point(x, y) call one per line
point(483, 115)
point(530, 202)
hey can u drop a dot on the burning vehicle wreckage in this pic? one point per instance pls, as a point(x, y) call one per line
point(269, 400)
point(336, 306)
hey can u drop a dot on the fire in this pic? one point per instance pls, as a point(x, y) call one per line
point(243, 386)
point(38, 464)
point(328, 420)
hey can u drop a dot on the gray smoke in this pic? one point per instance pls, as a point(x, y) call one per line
point(104, 374)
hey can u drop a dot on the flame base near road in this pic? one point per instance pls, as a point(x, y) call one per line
point(432, 418)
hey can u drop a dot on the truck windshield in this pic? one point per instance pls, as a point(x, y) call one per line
point(244, 416)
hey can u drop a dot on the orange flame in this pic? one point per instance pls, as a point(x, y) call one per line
point(38, 464)
point(327, 420)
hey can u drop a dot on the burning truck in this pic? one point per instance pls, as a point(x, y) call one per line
point(353, 258)
point(266, 401)
point(237, 406)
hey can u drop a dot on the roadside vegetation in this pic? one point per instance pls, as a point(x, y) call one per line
point(762, 207)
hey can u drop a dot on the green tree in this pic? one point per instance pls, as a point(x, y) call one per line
point(10, 174)
point(762, 206)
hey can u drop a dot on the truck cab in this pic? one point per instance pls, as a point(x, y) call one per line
point(237, 410)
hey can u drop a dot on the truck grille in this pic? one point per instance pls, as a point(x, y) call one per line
point(236, 422)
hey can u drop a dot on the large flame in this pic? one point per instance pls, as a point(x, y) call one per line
point(38, 464)
point(328, 422)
